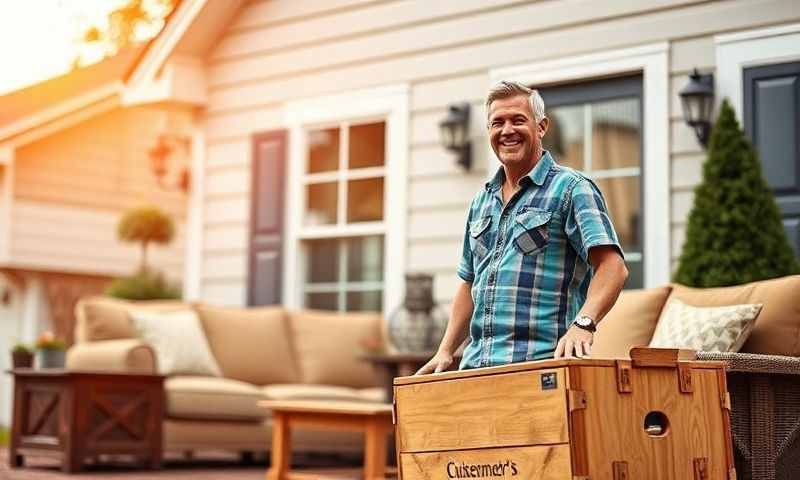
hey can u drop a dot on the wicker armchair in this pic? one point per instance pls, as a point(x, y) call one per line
point(765, 416)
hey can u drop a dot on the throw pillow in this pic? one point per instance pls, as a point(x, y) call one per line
point(179, 342)
point(711, 329)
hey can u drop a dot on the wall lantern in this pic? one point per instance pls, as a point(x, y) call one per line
point(454, 133)
point(159, 156)
point(697, 98)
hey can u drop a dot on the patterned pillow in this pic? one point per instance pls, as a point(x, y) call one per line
point(710, 329)
point(178, 341)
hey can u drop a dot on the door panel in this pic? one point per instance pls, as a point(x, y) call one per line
point(772, 121)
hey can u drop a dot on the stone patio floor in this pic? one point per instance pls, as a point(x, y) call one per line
point(207, 466)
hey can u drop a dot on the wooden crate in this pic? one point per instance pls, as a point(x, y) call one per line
point(659, 416)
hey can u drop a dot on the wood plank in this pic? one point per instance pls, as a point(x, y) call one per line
point(453, 414)
point(280, 11)
point(540, 462)
point(690, 53)
point(338, 408)
point(696, 427)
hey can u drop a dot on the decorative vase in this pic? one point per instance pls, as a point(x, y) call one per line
point(51, 358)
point(21, 360)
point(419, 323)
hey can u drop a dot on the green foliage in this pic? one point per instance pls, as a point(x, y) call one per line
point(145, 225)
point(48, 341)
point(144, 285)
point(3, 436)
point(21, 348)
point(734, 234)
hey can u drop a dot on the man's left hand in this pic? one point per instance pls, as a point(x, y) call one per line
point(576, 340)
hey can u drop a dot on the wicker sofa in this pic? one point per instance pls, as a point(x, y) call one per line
point(763, 379)
point(264, 354)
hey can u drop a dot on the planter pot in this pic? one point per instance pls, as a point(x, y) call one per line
point(51, 358)
point(21, 360)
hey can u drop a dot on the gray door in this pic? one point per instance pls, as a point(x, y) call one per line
point(266, 218)
point(772, 121)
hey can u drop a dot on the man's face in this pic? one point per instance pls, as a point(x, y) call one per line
point(515, 137)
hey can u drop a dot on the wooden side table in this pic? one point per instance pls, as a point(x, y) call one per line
point(374, 420)
point(75, 415)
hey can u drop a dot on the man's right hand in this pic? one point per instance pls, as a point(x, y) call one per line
point(439, 363)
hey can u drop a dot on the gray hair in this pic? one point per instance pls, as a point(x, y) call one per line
point(507, 89)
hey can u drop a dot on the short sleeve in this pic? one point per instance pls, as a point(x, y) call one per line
point(588, 223)
point(465, 268)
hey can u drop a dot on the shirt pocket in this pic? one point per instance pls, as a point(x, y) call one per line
point(479, 237)
point(531, 234)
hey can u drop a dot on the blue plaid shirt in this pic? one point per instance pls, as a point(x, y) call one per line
point(528, 262)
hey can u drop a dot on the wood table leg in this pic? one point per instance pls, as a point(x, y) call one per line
point(281, 447)
point(375, 450)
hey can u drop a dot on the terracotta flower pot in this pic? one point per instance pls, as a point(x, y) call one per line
point(21, 360)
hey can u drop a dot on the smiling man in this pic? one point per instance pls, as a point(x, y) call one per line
point(541, 263)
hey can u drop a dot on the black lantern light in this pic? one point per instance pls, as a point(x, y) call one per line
point(454, 130)
point(697, 98)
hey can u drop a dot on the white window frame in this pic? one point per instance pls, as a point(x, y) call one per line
point(653, 62)
point(751, 48)
point(390, 104)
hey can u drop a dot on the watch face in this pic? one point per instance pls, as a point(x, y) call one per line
point(585, 322)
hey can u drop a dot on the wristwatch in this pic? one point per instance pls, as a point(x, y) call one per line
point(585, 322)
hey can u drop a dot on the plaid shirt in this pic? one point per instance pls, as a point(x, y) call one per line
point(529, 262)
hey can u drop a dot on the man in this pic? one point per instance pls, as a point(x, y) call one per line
point(541, 263)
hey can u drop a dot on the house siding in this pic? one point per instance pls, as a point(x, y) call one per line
point(71, 188)
point(279, 51)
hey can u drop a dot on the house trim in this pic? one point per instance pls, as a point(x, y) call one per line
point(193, 260)
point(390, 103)
point(653, 62)
point(737, 51)
point(6, 203)
point(60, 116)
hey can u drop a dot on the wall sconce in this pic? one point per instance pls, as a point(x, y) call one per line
point(159, 155)
point(697, 98)
point(454, 133)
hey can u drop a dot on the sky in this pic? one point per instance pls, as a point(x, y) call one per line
point(40, 39)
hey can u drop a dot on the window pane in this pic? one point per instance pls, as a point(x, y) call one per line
point(323, 261)
point(616, 134)
point(321, 201)
point(564, 137)
point(624, 203)
point(365, 200)
point(323, 150)
point(364, 301)
point(365, 259)
point(635, 275)
point(367, 145)
point(322, 301)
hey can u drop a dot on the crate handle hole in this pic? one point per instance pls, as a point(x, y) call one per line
point(656, 424)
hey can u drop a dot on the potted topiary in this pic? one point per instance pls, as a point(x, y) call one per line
point(21, 356)
point(51, 350)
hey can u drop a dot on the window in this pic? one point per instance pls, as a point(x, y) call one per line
point(596, 127)
point(343, 228)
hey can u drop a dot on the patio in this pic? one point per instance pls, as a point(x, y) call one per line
point(211, 465)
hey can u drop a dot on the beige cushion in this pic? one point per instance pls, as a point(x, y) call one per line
point(777, 329)
point(178, 340)
point(213, 398)
point(328, 345)
point(630, 322)
point(708, 329)
point(322, 392)
point(251, 344)
point(106, 318)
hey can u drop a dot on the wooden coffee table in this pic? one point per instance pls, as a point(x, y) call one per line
point(74, 415)
point(375, 420)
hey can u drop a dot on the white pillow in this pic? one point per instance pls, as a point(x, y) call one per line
point(178, 340)
point(709, 329)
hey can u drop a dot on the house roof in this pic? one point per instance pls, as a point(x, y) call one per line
point(21, 103)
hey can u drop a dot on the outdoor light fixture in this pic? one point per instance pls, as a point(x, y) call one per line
point(454, 131)
point(697, 98)
point(159, 156)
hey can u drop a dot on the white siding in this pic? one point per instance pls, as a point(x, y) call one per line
point(279, 51)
